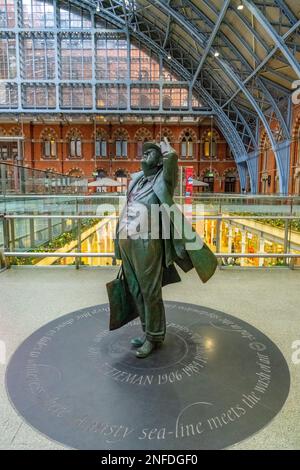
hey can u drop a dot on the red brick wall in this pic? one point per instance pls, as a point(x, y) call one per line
point(33, 157)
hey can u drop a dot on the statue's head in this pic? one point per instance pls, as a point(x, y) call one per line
point(152, 156)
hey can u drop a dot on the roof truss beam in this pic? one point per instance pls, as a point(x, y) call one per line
point(243, 20)
point(286, 10)
point(211, 40)
point(278, 41)
point(266, 59)
point(179, 18)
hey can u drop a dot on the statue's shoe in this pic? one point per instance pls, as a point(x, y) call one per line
point(145, 350)
point(138, 342)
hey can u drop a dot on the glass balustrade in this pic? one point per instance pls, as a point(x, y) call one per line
point(236, 227)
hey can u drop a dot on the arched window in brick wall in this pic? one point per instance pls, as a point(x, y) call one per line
point(120, 137)
point(101, 143)
point(166, 132)
point(48, 142)
point(142, 135)
point(74, 139)
point(187, 140)
point(210, 139)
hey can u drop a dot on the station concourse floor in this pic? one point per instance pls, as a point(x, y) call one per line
point(267, 299)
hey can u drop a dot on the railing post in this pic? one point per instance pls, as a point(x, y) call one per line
point(5, 238)
point(78, 259)
point(218, 237)
point(3, 263)
point(2, 257)
point(5, 234)
point(3, 179)
point(218, 233)
point(50, 234)
point(63, 222)
point(31, 233)
point(11, 234)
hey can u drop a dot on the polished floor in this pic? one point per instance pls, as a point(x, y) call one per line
point(268, 300)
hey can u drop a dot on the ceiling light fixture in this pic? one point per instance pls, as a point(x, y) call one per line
point(240, 6)
point(98, 6)
point(216, 53)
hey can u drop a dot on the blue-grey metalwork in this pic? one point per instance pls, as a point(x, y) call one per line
point(54, 62)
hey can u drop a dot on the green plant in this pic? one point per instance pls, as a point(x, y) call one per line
point(56, 243)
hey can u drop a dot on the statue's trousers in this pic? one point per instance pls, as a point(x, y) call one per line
point(143, 268)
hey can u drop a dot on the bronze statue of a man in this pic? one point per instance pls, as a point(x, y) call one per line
point(149, 242)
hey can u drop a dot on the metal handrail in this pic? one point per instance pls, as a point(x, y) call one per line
point(55, 216)
point(63, 196)
point(199, 196)
point(46, 254)
point(113, 217)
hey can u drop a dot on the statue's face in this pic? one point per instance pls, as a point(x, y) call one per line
point(150, 158)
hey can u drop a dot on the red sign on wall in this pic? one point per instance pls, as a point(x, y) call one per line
point(189, 181)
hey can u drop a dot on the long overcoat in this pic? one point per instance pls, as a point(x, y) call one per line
point(184, 246)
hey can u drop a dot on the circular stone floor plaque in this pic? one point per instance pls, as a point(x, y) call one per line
point(215, 381)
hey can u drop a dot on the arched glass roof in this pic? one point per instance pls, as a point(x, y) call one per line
point(236, 59)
